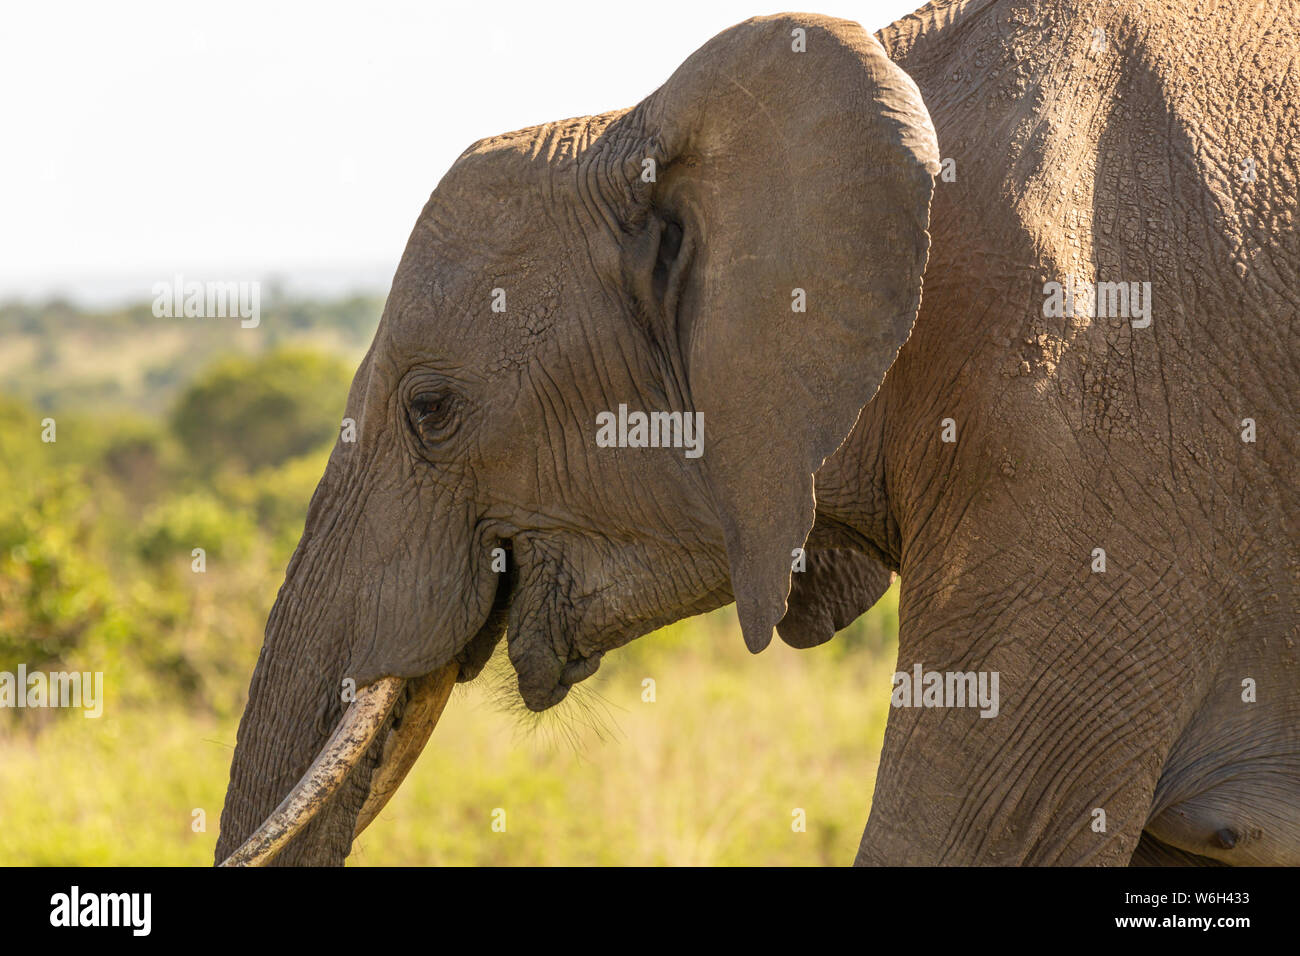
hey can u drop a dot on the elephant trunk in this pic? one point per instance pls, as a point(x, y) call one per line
point(315, 763)
point(340, 756)
point(296, 702)
point(335, 717)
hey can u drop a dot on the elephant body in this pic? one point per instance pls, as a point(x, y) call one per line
point(1065, 491)
point(1108, 142)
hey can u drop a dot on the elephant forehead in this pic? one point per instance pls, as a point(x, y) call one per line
point(505, 191)
point(485, 275)
point(547, 147)
point(521, 331)
point(486, 322)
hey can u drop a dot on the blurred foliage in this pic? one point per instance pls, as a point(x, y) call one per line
point(216, 441)
point(99, 527)
point(52, 593)
point(52, 354)
point(178, 523)
point(262, 411)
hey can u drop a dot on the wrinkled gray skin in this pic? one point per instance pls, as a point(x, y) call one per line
point(777, 170)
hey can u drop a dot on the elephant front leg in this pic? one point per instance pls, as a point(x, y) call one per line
point(1053, 762)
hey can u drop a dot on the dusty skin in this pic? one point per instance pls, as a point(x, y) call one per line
point(1112, 527)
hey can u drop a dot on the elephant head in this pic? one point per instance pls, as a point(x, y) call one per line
point(740, 253)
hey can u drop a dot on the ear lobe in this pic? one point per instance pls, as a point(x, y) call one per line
point(802, 181)
point(836, 587)
point(760, 569)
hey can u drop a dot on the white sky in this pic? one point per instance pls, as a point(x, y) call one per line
point(232, 140)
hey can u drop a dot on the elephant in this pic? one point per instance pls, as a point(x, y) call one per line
point(1001, 299)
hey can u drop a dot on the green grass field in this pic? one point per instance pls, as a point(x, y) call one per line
point(711, 772)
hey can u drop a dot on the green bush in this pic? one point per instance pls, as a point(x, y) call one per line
point(276, 497)
point(177, 526)
point(53, 592)
point(252, 413)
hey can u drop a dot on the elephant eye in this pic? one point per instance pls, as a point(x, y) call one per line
point(433, 415)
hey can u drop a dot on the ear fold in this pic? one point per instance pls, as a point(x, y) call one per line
point(832, 592)
point(793, 174)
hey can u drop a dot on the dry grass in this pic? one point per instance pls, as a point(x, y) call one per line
point(709, 773)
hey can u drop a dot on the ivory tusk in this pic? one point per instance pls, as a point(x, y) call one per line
point(407, 739)
point(351, 738)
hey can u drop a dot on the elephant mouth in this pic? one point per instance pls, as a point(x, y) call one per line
point(548, 662)
point(399, 716)
point(579, 669)
point(475, 654)
point(546, 693)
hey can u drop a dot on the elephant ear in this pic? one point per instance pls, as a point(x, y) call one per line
point(788, 207)
point(836, 588)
